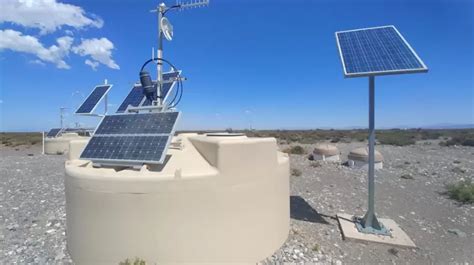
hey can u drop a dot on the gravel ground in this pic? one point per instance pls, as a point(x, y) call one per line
point(32, 214)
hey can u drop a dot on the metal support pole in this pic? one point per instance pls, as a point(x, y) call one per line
point(105, 103)
point(369, 223)
point(370, 220)
point(61, 116)
point(43, 143)
point(159, 65)
point(105, 99)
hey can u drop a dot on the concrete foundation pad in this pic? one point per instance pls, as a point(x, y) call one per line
point(398, 237)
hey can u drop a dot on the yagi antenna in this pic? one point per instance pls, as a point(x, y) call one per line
point(192, 4)
point(165, 30)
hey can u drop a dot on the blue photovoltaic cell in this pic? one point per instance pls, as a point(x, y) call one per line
point(143, 123)
point(131, 139)
point(376, 51)
point(53, 132)
point(169, 80)
point(126, 148)
point(133, 98)
point(93, 99)
point(170, 76)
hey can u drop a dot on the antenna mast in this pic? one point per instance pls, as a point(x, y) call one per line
point(161, 11)
point(61, 116)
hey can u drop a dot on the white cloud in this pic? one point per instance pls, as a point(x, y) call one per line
point(49, 16)
point(16, 41)
point(38, 62)
point(100, 50)
point(92, 64)
point(46, 15)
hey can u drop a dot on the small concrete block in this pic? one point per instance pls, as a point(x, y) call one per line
point(398, 237)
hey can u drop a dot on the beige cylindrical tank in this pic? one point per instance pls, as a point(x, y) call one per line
point(216, 199)
point(76, 147)
point(60, 145)
point(326, 152)
point(359, 158)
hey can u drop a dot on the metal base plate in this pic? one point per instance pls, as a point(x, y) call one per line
point(397, 238)
point(359, 222)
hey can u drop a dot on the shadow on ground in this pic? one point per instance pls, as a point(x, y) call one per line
point(301, 210)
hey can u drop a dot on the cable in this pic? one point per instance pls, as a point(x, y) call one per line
point(180, 86)
point(172, 7)
point(180, 91)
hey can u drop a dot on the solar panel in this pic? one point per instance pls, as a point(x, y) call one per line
point(53, 132)
point(93, 99)
point(377, 51)
point(146, 123)
point(129, 148)
point(132, 139)
point(136, 98)
point(169, 80)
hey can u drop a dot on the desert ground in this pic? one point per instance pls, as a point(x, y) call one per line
point(410, 189)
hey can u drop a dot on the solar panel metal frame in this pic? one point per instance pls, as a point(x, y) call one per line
point(103, 96)
point(385, 72)
point(172, 85)
point(128, 105)
point(116, 162)
point(60, 130)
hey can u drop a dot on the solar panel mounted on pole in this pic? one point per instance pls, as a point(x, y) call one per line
point(371, 52)
point(94, 98)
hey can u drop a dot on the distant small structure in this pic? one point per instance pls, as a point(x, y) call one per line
point(326, 152)
point(60, 144)
point(359, 158)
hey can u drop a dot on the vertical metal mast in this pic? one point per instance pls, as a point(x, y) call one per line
point(370, 220)
point(61, 116)
point(159, 64)
point(161, 9)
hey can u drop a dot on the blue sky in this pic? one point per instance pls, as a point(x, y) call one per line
point(273, 64)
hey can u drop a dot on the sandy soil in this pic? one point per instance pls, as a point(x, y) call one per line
point(32, 214)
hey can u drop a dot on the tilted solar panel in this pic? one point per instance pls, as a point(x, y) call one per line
point(128, 148)
point(132, 139)
point(93, 99)
point(134, 98)
point(169, 80)
point(53, 132)
point(377, 51)
point(144, 123)
point(170, 76)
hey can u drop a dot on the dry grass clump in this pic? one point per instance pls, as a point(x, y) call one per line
point(396, 138)
point(392, 137)
point(136, 261)
point(463, 191)
point(466, 140)
point(16, 138)
point(295, 150)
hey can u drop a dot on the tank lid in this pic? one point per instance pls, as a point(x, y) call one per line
point(362, 154)
point(224, 134)
point(326, 149)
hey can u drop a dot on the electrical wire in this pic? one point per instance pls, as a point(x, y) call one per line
point(179, 90)
point(180, 87)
